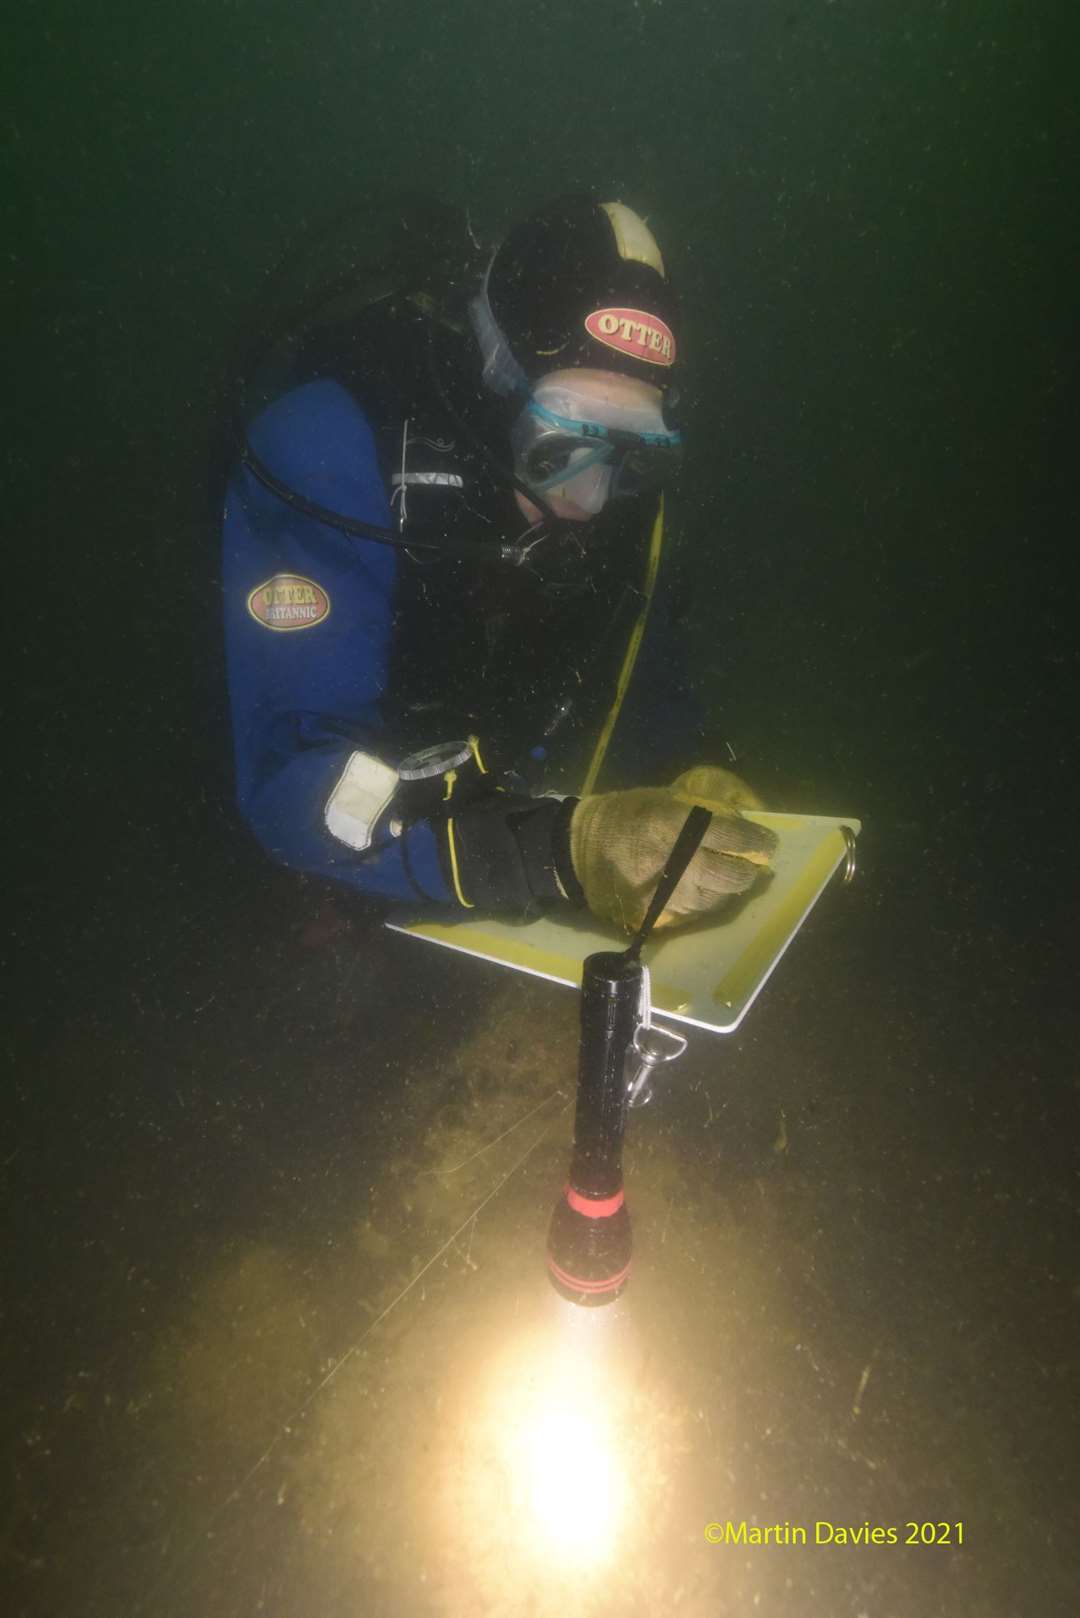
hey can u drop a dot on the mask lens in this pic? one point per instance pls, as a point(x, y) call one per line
point(550, 457)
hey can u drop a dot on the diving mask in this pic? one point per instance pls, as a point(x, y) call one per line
point(593, 437)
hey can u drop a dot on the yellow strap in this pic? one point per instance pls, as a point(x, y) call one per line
point(449, 781)
point(452, 846)
point(656, 543)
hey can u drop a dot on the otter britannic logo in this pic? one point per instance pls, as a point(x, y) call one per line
point(288, 601)
point(632, 331)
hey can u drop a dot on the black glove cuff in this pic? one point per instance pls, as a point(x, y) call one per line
point(510, 853)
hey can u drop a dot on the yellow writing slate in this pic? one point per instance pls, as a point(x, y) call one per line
point(708, 975)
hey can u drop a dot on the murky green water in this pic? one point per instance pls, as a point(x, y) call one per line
point(277, 1182)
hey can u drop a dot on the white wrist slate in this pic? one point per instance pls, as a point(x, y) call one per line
point(362, 794)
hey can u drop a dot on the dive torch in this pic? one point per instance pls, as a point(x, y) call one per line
point(589, 1239)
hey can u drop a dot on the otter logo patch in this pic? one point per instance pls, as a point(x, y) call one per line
point(288, 601)
point(632, 331)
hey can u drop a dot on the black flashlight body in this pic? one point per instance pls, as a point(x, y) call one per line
point(589, 1240)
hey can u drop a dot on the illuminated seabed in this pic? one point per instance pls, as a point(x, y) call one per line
point(506, 1453)
point(532, 1466)
point(486, 1447)
point(551, 1452)
point(417, 1427)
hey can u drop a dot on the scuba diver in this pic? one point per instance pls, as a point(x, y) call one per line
point(446, 610)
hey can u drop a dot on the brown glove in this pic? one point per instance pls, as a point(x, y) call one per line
point(620, 842)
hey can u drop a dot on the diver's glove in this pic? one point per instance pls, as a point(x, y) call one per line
point(620, 843)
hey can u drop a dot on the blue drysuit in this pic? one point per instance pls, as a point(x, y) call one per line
point(310, 623)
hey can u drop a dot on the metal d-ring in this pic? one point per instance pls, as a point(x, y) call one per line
point(851, 864)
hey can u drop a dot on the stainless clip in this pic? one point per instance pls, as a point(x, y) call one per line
point(650, 1048)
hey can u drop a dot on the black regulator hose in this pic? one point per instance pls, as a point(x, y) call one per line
point(473, 550)
point(515, 553)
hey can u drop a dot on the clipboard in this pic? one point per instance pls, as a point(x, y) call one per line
point(708, 975)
